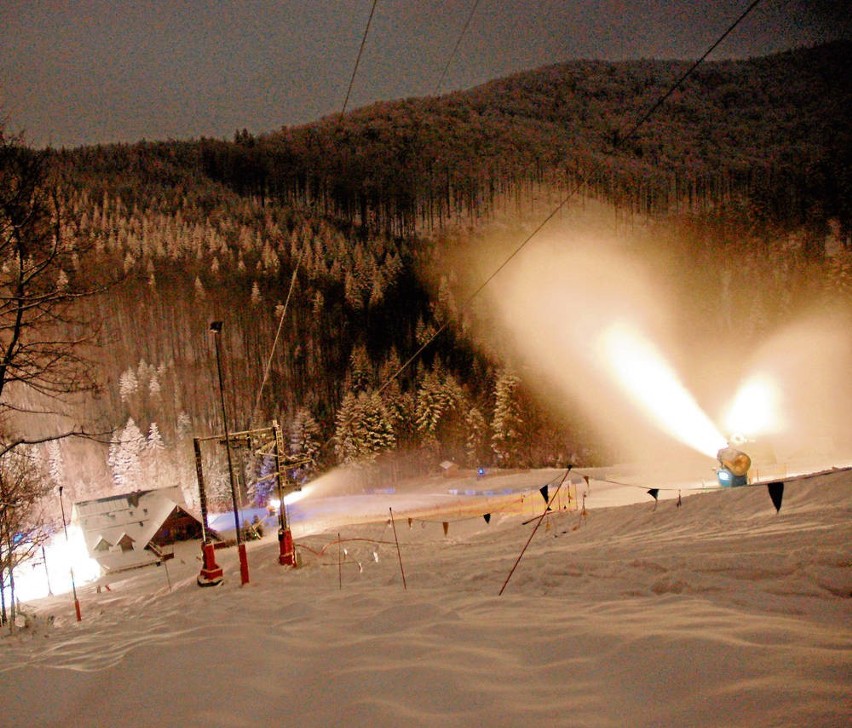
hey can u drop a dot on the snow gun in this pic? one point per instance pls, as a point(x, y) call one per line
point(733, 467)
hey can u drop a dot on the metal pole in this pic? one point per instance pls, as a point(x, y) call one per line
point(541, 518)
point(286, 549)
point(202, 494)
point(398, 552)
point(216, 328)
point(73, 585)
point(211, 573)
point(46, 572)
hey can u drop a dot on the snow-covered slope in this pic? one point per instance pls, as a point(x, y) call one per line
point(715, 612)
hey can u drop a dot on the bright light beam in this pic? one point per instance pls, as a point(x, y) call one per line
point(653, 386)
point(31, 581)
point(294, 496)
point(756, 408)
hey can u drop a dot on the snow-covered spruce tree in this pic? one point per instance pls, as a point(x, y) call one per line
point(153, 457)
point(439, 412)
point(360, 375)
point(507, 425)
point(476, 445)
point(262, 482)
point(55, 463)
point(363, 429)
point(304, 444)
point(128, 385)
point(348, 434)
point(379, 430)
point(399, 404)
point(124, 457)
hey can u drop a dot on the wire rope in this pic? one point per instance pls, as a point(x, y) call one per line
point(277, 336)
point(576, 187)
point(456, 47)
point(358, 59)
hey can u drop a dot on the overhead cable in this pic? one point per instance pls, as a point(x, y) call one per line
point(358, 59)
point(456, 48)
point(578, 185)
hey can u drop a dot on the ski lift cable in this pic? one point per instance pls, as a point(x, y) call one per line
point(293, 279)
point(456, 48)
point(576, 188)
point(358, 59)
point(277, 334)
point(660, 101)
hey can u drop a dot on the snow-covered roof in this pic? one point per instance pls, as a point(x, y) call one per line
point(126, 523)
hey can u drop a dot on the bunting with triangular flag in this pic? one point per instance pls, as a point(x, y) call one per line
point(487, 517)
point(776, 493)
point(654, 493)
point(544, 493)
point(679, 500)
point(446, 527)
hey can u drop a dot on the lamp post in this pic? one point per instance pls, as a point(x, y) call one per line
point(216, 329)
point(73, 584)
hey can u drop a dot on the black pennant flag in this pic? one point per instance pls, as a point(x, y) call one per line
point(776, 493)
point(487, 517)
point(654, 492)
point(544, 493)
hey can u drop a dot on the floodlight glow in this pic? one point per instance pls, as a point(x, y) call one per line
point(31, 581)
point(296, 495)
point(653, 386)
point(755, 409)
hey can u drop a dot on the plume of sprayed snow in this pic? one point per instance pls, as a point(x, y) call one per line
point(588, 317)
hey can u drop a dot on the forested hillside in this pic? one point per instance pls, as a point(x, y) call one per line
point(328, 247)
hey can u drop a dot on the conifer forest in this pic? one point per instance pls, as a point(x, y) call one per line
point(333, 254)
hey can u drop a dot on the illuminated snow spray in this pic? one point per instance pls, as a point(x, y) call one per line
point(653, 386)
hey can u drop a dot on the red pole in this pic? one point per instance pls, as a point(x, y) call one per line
point(211, 573)
point(244, 574)
point(286, 551)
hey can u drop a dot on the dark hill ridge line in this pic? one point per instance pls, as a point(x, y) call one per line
point(774, 128)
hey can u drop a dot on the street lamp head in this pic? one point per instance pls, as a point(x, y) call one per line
point(216, 327)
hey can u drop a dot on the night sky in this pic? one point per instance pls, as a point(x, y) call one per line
point(108, 70)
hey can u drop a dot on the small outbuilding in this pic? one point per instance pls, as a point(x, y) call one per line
point(449, 468)
point(127, 531)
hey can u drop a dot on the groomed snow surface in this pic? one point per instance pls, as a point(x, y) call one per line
point(718, 612)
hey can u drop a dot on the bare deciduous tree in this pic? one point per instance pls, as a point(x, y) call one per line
point(23, 488)
point(43, 340)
